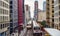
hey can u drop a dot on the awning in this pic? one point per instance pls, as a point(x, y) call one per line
point(52, 31)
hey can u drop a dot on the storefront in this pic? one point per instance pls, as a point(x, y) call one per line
point(3, 34)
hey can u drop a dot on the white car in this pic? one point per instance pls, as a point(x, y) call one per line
point(28, 26)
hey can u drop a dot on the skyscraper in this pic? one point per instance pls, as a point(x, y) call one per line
point(13, 15)
point(35, 9)
point(57, 14)
point(50, 12)
point(27, 13)
point(20, 14)
point(44, 6)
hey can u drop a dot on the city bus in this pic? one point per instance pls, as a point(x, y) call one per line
point(36, 29)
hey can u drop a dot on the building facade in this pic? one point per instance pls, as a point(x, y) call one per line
point(13, 15)
point(50, 12)
point(4, 18)
point(57, 14)
point(41, 16)
point(27, 13)
point(20, 13)
point(35, 9)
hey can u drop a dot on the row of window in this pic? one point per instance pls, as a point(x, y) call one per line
point(1, 18)
point(14, 20)
point(11, 2)
point(57, 8)
point(4, 25)
point(56, 26)
point(56, 20)
point(3, 4)
point(3, 11)
point(4, 18)
point(57, 2)
point(52, 1)
point(57, 14)
point(13, 24)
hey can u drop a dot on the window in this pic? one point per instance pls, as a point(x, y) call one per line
point(48, 4)
point(1, 3)
point(5, 25)
point(1, 26)
point(11, 2)
point(1, 11)
point(59, 6)
point(11, 24)
point(11, 20)
point(52, 11)
point(52, 15)
point(59, 24)
point(11, 7)
point(52, 6)
point(59, 12)
point(59, 18)
point(11, 11)
point(53, 20)
point(48, 9)
point(52, 1)
point(47, 0)
point(56, 8)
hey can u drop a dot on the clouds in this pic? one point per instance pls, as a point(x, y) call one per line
point(31, 4)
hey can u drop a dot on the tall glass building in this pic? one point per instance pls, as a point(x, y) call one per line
point(35, 9)
point(13, 15)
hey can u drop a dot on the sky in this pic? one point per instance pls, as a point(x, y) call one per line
point(31, 4)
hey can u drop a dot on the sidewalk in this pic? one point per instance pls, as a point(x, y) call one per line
point(23, 32)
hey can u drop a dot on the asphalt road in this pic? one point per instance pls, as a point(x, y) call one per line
point(29, 33)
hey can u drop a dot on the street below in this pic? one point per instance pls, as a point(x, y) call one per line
point(29, 33)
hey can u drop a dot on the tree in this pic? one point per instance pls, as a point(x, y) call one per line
point(43, 23)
